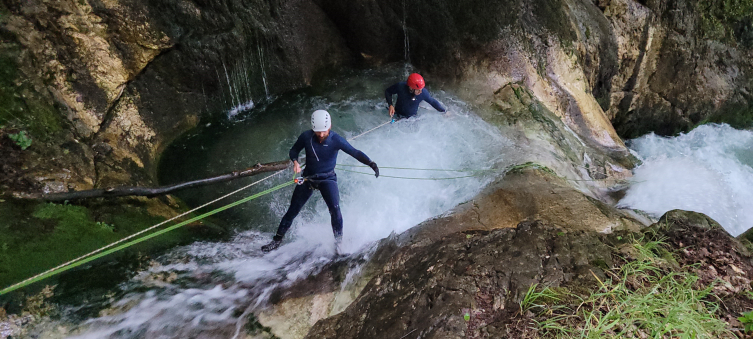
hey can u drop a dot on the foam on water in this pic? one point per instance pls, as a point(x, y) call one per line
point(707, 170)
point(215, 282)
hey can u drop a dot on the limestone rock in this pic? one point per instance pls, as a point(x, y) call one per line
point(470, 284)
point(525, 199)
point(428, 290)
point(127, 77)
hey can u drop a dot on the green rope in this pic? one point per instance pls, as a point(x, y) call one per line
point(424, 169)
point(412, 178)
point(144, 238)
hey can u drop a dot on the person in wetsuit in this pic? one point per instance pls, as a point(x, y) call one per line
point(322, 146)
point(409, 95)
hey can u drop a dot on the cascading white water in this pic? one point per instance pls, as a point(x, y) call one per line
point(214, 282)
point(708, 170)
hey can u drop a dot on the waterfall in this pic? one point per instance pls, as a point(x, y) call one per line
point(216, 282)
point(263, 71)
point(708, 170)
point(406, 42)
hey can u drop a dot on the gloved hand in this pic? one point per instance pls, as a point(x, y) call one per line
point(373, 166)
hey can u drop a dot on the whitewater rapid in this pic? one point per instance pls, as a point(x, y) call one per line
point(207, 289)
point(708, 170)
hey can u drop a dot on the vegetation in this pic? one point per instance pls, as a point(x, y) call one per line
point(648, 296)
point(521, 167)
point(736, 115)
point(21, 139)
point(747, 321)
point(727, 20)
point(37, 237)
point(21, 107)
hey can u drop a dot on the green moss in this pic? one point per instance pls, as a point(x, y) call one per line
point(727, 20)
point(519, 168)
point(39, 236)
point(600, 263)
point(20, 105)
point(736, 115)
point(53, 234)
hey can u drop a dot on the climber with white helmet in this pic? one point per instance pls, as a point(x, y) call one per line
point(409, 95)
point(322, 146)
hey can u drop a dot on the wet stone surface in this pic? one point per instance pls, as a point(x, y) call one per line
point(482, 274)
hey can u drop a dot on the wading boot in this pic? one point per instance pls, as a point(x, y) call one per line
point(271, 246)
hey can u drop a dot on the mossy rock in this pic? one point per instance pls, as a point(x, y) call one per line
point(675, 218)
point(20, 105)
point(729, 21)
point(737, 115)
point(38, 236)
point(515, 104)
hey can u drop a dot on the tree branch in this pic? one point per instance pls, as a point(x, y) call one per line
point(152, 192)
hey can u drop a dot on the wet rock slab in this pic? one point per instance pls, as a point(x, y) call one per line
point(470, 284)
point(521, 197)
point(428, 290)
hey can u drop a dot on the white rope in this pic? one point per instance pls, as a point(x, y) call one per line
point(148, 229)
point(369, 131)
point(173, 218)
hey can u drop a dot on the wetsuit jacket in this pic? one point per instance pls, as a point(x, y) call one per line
point(407, 103)
point(322, 157)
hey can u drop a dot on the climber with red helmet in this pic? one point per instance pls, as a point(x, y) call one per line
point(409, 95)
point(322, 146)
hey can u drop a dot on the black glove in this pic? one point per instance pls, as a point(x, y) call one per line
point(375, 168)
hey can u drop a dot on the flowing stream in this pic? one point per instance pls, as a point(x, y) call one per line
point(210, 289)
point(205, 290)
point(708, 170)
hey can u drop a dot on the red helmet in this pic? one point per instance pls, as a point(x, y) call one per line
point(416, 81)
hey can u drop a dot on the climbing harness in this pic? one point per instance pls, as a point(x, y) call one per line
point(297, 180)
point(101, 252)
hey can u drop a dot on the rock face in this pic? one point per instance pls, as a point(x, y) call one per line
point(104, 86)
point(539, 215)
point(660, 65)
point(693, 64)
point(118, 80)
point(428, 290)
point(470, 284)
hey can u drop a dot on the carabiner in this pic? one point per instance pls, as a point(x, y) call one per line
point(299, 180)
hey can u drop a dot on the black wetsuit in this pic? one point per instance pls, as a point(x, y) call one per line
point(321, 159)
point(407, 103)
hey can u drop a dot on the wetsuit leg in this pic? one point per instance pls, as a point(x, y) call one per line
point(331, 195)
point(301, 195)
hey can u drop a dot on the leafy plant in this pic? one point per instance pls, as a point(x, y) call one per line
point(22, 139)
point(747, 321)
point(106, 226)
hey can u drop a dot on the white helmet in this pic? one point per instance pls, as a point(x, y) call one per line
point(320, 121)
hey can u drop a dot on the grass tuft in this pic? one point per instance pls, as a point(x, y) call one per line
point(643, 298)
